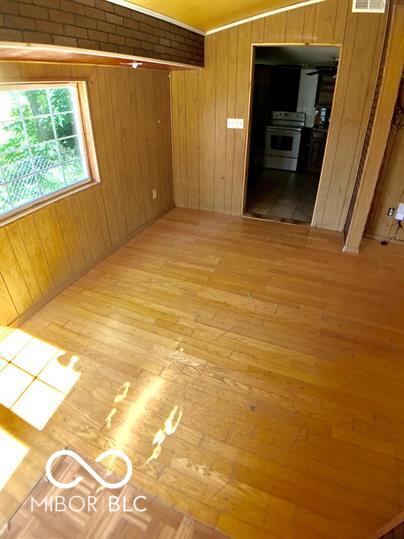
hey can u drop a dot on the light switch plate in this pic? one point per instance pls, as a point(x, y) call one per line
point(235, 123)
point(400, 212)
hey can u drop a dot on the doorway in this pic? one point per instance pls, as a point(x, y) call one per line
point(292, 95)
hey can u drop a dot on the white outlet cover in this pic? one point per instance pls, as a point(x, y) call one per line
point(235, 123)
point(400, 212)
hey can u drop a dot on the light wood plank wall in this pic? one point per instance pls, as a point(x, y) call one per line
point(130, 113)
point(209, 160)
point(390, 190)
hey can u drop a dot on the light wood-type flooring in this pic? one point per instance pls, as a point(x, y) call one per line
point(252, 372)
point(153, 520)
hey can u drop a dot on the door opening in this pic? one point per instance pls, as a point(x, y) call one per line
point(293, 88)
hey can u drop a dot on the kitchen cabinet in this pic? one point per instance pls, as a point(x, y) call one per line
point(326, 89)
point(316, 150)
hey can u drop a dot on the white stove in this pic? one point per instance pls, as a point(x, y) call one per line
point(282, 140)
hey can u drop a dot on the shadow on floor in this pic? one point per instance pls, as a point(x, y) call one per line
point(281, 195)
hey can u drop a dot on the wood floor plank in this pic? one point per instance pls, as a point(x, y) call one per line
point(281, 356)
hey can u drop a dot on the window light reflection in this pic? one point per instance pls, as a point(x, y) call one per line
point(12, 451)
point(170, 427)
point(12, 342)
point(34, 377)
point(136, 410)
point(35, 356)
point(38, 404)
point(13, 382)
point(59, 376)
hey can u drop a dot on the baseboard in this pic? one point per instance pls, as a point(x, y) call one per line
point(389, 527)
point(57, 290)
point(350, 250)
point(383, 238)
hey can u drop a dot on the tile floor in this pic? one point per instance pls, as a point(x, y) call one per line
point(281, 195)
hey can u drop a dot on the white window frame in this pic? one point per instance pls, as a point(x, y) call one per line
point(86, 141)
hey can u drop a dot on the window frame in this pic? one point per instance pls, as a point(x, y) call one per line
point(81, 109)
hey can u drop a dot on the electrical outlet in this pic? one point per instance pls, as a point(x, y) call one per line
point(154, 194)
point(235, 123)
point(400, 212)
point(390, 212)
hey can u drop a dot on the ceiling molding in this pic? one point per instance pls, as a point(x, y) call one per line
point(263, 15)
point(145, 11)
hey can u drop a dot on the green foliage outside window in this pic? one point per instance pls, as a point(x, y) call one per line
point(40, 147)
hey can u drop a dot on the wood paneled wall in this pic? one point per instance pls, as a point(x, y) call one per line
point(130, 113)
point(390, 190)
point(209, 160)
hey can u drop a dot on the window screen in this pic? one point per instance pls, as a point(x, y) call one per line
point(41, 144)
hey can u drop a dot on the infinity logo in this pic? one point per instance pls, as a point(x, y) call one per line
point(93, 473)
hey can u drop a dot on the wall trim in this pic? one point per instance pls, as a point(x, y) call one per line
point(378, 238)
point(58, 50)
point(350, 250)
point(156, 15)
point(390, 526)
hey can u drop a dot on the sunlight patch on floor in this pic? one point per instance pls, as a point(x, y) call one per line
point(12, 451)
point(170, 427)
point(135, 412)
point(35, 376)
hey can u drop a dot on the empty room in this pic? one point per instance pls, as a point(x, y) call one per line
point(201, 269)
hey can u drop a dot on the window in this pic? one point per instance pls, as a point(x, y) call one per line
point(42, 145)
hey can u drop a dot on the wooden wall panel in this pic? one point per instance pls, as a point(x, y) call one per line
point(130, 112)
point(12, 275)
point(275, 28)
point(222, 152)
point(231, 113)
point(221, 76)
point(192, 135)
point(309, 18)
point(358, 89)
point(294, 26)
point(243, 65)
point(207, 114)
point(390, 190)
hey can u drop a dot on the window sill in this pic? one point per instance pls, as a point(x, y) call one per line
point(46, 201)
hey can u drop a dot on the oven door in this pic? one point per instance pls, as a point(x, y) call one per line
point(282, 142)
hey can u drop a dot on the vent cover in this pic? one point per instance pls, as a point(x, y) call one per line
point(369, 6)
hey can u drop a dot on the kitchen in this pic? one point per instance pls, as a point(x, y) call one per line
point(293, 88)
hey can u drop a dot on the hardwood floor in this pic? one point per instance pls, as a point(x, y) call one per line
point(153, 520)
point(268, 363)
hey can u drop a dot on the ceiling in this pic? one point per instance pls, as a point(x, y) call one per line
point(209, 14)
